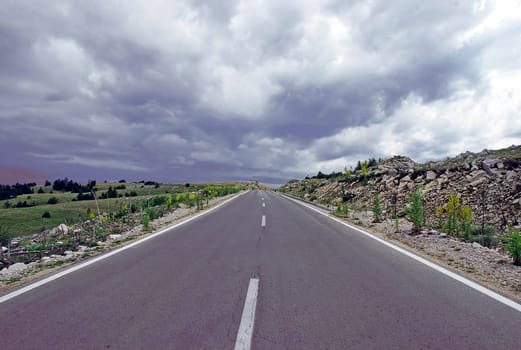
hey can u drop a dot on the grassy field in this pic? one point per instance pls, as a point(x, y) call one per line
point(27, 221)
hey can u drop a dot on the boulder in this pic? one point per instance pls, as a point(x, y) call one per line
point(63, 229)
point(487, 169)
point(431, 175)
point(14, 270)
point(491, 162)
point(115, 237)
point(392, 172)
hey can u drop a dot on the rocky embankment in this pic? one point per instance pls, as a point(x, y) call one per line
point(488, 181)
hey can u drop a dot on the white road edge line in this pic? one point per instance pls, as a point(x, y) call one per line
point(471, 284)
point(107, 255)
point(263, 221)
point(245, 332)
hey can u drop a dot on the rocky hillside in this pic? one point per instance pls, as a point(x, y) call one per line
point(488, 181)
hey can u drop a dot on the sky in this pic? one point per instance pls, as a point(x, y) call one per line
point(239, 90)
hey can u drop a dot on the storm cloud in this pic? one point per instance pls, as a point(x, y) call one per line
point(269, 90)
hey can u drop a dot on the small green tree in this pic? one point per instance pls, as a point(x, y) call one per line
point(377, 209)
point(465, 217)
point(512, 244)
point(169, 202)
point(146, 220)
point(348, 174)
point(363, 171)
point(439, 214)
point(453, 206)
point(459, 217)
point(415, 209)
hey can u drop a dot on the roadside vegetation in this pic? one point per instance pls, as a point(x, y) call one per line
point(30, 209)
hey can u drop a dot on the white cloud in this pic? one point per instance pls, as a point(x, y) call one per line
point(425, 131)
point(264, 87)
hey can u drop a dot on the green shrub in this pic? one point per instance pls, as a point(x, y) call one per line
point(158, 200)
point(133, 207)
point(459, 218)
point(415, 209)
point(452, 209)
point(465, 217)
point(4, 236)
point(487, 238)
point(342, 209)
point(52, 200)
point(377, 209)
point(35, 247)
point(146, 220)
point(46, 214)
point(152, 213)
point(512, 244)
point(169, 202)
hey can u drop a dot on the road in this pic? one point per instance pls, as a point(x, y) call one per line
point(321, 285)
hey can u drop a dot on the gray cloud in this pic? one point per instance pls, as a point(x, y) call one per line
point(219, 90)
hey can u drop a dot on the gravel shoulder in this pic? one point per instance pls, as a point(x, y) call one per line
point(488, 267)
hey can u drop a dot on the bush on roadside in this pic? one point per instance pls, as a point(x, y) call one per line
point(486, 236)
point(342, 209)
point(377, 209)
point(512, 244)
point(146, 220)
point(415, 209)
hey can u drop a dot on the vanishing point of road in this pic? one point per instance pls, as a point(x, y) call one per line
point(259, 272)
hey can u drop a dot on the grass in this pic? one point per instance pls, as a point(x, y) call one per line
point(28, 221)
point(13, 280)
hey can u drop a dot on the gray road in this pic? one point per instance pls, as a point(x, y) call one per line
point(321, 286)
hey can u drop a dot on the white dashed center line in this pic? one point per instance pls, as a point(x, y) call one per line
point(245, 333)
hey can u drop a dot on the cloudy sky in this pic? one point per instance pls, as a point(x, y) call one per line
point(271, 90)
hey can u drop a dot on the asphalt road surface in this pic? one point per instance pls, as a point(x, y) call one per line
point(321, 285)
